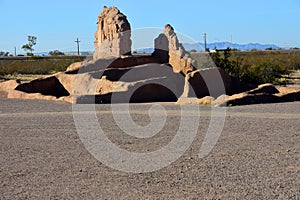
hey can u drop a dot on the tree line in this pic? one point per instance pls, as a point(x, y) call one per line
point(29, 48)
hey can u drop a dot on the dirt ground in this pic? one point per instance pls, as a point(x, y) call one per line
point(42, 156)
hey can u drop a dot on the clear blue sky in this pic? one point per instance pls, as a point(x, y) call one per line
point(57, 23)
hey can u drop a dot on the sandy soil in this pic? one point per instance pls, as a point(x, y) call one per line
point(42, 157)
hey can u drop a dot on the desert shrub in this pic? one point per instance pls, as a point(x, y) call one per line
point(264, 73)
point(232, 67)
point(56, 53)
point(258, 72)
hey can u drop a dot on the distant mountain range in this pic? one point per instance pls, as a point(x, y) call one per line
point(225, 45)
point(70, 53)
point(219, 45)
point(196, 46)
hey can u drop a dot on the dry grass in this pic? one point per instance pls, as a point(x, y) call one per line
point(290, 59)
point(256, 66)
point(36, 66)
point(21, 77)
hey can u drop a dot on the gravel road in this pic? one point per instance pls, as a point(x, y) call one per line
point(42, 156)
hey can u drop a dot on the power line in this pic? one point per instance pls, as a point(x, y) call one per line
point(205, 43)
point(78, 49)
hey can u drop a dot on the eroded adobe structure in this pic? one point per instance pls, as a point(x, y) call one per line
point(169, 49)
point(169, 74)
point(113, 35)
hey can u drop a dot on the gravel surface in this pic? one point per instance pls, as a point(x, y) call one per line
point(42, 157)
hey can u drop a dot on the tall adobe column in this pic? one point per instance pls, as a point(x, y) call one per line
point(113, 34)
point(180, 59)
point(169, 50)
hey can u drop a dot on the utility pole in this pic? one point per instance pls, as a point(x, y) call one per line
point(230, 41)
point(15, 51)
point(78, 50)
point(205, 44)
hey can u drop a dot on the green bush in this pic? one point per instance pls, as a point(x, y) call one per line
point(264, 73)
point(258, 72)
point(232, 67)
point(56, 53)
